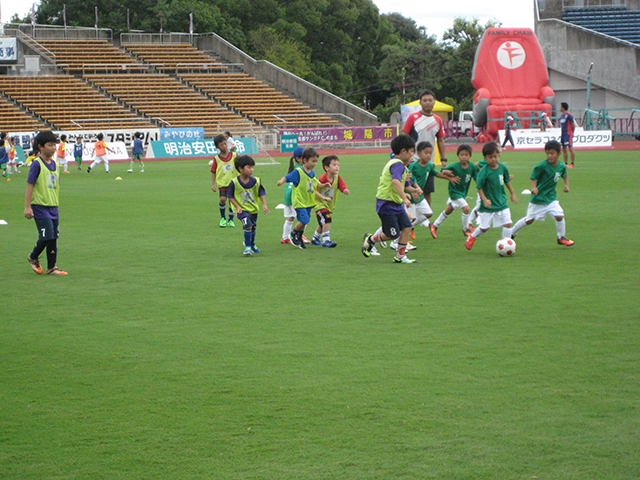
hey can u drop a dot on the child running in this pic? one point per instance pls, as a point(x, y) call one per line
point(322, 235)
point(304, 194)
point(136, 152)
point(11, 154)
point(243, 193)
point(544, 201)
point(77, 151)
point(466, 171)
point(223, 171)
point(420, 171)
point(392, 201)
point(100, 149)
point(289, 213)
point(61, 153)
point(491, 182)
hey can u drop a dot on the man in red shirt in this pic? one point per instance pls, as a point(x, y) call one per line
point(425, 126)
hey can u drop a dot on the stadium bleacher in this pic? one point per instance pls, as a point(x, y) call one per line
point(14, 119)
point(172, 103)
point(97, 55)
point(616, 21)
point(174, 56)
point(68, 103)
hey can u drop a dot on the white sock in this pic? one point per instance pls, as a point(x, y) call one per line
point(286, 230)
point(465, 221)
point(326, 236)
point(477, 233)
point(506, 232)
point(441, 218)
point(520, 224)
point(561, 228)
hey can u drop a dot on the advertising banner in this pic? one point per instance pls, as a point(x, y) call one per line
point(197, 148)
point(343, 135)
point(530, 138)
point(8, 50)
point(193, 133)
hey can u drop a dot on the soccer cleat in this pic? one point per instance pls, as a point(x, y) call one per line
point(403, 259)
point(393, 245)
point(293, 240)
point(247, 251)
point(88, 169)
point(64, 171)
point(35, 265)
point(223, 222)
point(471, 228)
point(466, 232)
point(285, 241)
point(130, 171)
point(433, 229)
point(412, 234)
point(108, 171)
point(570, 165)
point(565, 241)
point(316, 241)
point(329, 244)
point(366, 245)
point(230, 223)
point(302, 245)
point(255, 249)
point(383, 243)
point(410, 247)
point(470, 241)
point(56, 271)
point(305, 240)
point(375, 252)
point(142, 171)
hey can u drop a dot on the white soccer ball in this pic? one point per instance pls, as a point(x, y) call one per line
point(210, 162)
point(506, 247)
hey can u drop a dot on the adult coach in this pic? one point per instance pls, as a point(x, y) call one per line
point(568, 125)
point(424, 126)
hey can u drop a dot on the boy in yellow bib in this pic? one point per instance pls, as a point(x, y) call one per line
point(41, 203)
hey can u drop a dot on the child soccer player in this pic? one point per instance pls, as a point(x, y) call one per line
point(466, 171)
point(231, 143)
point(4, 156)
point(490, 182)
point(304, 193)
point(223, 171)
point(544, 178)
point(77, 151)
point(392, 201)
point(243, 193)
point(11, 154)
point(41, 203)
point(100, 149)
point(289, 213)
point(62, 154)
point(322, 235)
point(136, 152)
point(420, 172)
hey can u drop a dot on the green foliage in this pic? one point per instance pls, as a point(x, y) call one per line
point(344, 46)
point(167, 354)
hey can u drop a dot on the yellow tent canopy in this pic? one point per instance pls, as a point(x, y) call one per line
point(439, 107)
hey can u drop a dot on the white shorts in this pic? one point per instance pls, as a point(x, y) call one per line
point(485, 219)
point(101, 158)
point(289, 211)
point(457, 203)
point(540, 212)
point(421, 207)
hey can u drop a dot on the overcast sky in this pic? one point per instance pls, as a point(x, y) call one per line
point(436, 16)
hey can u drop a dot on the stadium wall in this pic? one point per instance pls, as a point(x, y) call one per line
point(292, 84)
point(569, 51)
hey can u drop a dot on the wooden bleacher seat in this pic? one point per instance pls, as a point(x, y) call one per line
point(257, 100)
point(172, 103)
point(76, 55)
point(174, 56)
point(69, 103)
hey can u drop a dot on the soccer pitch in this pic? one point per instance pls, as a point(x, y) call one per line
point(167, 354)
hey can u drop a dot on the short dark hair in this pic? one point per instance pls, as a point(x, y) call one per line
point(63, 138)
point(427, 92)
point(44, 137)
point(422, 145)
point(243, 161)
point(3, 135)
point(490, 148)
point(228, 134)
point(137, 135)
point(218, 139)
point(464, 148)
point(100, 136)
point(564, 105)
point(308, 153)
point(402, 142)
point(553, 145)
point(326, 161)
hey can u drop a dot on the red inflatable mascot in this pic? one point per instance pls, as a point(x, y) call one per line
point(510, 75)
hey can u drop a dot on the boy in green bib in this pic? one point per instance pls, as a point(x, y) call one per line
point(243, 193)
point(41, 203)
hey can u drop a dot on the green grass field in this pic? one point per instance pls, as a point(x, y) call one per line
point(167, 354)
